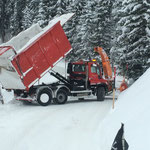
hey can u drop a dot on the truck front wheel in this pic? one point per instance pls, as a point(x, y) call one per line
point(44, 97)
point(101, 93)
point(61, 97)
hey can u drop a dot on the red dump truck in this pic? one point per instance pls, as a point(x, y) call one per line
point(21, 69)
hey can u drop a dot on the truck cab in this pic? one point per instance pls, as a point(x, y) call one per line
point(87, 74)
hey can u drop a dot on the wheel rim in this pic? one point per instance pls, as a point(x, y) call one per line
point(61, 97)
point(44, 98)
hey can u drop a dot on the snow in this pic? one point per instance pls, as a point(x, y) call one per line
point(89, 125)
point(132, 109)
point(47, 78)
point(148, 31)
point(24, 37)
point(70, 126)
point(137, 7)
point(67, 127)
point(7, 73)
point(76, 125)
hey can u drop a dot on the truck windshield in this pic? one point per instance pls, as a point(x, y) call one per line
point(93, 69)
point(78, 68)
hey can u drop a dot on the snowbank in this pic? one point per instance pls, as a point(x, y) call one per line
point(132, 109)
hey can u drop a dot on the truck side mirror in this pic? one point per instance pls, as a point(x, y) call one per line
point(69, 69)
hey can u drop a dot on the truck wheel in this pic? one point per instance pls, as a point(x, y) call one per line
point(101, 93)
point(44, 97)
point(61, 97)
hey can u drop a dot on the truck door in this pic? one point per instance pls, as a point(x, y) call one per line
point(94, 74)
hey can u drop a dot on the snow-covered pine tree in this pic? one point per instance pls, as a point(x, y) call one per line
point(49, 8)
point(108, 25)
point(60, 7)
point(70, 26)
point(147, 18)
point(29, 14)
point(84, 29)
point(2, 20)
point(17, 16)
point(89, 26)
point(102, 32)
point(133, 40)
point(81, 29)
point(94, 27)
point(9, 10)
point(40, 17)
point(115, 52)
point(74, 27)
point(94, 20)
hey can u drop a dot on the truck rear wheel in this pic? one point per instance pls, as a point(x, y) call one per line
point(101, 93)
point(44, 97)
point(61, 97)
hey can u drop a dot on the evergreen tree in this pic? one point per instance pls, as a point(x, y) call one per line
point(103, 25)
point(93, 27)
point(120, 25)
point(17, 16)
point(147, 19)
point(49, 8)
point(40, 17)
point(60, 7)
point(9, 10)
point(70, 26)
point(116, 16)
point(3, 20)
point(81, 30)
point(74, 28)
point(28, 14)
point(133, 40)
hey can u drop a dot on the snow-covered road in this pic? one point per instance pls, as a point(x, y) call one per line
point(72, 126)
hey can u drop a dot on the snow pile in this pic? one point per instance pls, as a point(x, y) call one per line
point(24, 37)
point(132, 109)
point(63, 19)
point(60, 68)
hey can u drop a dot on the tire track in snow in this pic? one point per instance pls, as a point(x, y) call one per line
point(74, 125)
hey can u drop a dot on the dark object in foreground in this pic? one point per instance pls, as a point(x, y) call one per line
point(120, 143)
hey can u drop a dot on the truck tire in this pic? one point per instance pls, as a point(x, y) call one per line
point(44, 97)
point(61, 97)
point(101, 93)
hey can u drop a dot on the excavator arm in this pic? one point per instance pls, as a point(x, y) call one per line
point(105, 62)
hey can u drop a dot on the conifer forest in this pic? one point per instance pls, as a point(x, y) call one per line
point(120, 27)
